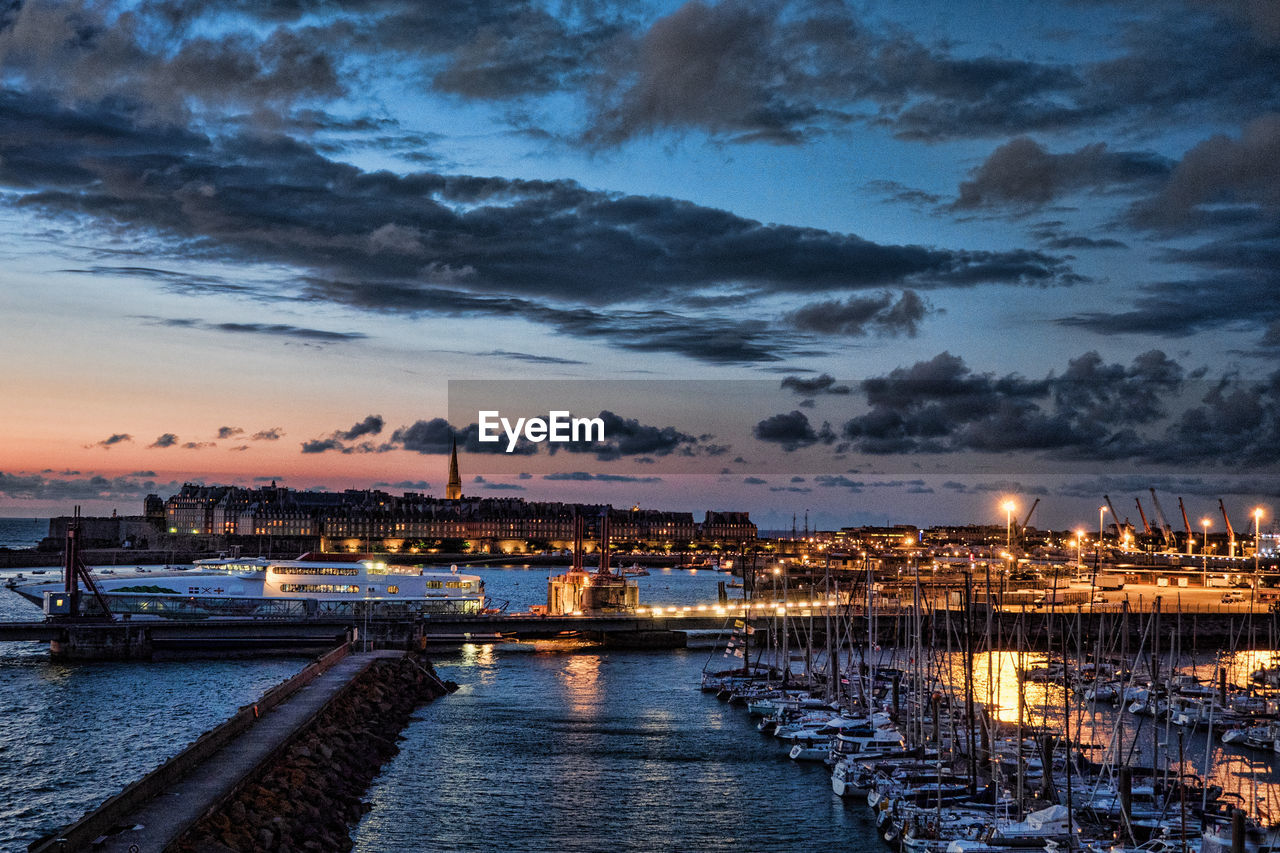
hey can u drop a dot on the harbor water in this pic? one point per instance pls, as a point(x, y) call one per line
point(22, 532)
point(545, 746)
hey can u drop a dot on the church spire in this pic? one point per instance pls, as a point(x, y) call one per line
point(453, 491)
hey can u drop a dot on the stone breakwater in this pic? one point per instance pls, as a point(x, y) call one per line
point(311, 794)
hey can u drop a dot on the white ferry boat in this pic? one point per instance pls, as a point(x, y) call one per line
point(254, 588)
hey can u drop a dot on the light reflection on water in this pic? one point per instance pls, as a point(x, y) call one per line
point(1115, 732)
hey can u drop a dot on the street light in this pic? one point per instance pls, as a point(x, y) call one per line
point(1204, 555)
point(1098, 558)
point(1009, 507)
point(1257, 541)
point(1079, 545)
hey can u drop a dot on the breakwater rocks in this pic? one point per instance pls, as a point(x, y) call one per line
point(308, 796)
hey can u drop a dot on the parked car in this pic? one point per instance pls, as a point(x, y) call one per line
point(1229, 597)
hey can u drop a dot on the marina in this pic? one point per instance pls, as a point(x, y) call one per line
point(967, 718)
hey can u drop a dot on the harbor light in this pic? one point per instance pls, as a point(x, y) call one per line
point(1009, 507)
point(1257, 539)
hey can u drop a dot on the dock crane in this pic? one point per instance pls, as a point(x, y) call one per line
point(1022, 531)
point(1122, 527)
point(1231, 531)
point(1187, 524)
point(1165, 528)
point(1146, 527)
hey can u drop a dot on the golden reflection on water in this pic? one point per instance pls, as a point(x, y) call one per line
point(1119, 737)
point(580, 677)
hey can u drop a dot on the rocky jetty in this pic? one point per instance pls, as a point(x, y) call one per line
point(310, 795)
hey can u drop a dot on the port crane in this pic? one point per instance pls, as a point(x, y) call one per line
point(1022, 530)
point(1187, 524)
point(1165, 529)
point(1123, 528)
point(1231, 531)
point(1146, 526)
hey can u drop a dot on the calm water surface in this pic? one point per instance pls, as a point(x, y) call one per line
point(22, 532)
point(619, 751)
point(544, 747)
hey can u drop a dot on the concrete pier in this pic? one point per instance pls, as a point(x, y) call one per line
point(154, 811)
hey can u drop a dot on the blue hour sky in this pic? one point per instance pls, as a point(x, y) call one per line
point(960, 250)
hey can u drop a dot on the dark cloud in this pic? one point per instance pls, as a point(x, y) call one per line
point(784, 72)
point(1022, 173)
point(438, 436)
point(229, 432)
point(371, 425)
point(1010, 487)
point(407, 485)
point(1241, 174)
point(1092, 411)
point(839, 481)
point(892, 191)
point(198, 445)
point(114, 439)
point(1174, 309)
point(450, 245)
point(583, 476)
point(39, 487)
point(792, 431)
point(273, 434)
point(433, 436)
point(340, 440)
point(272, 329)
point(629, 437)
point(1211, 487)
point(166, 440)
point(754, 481)
point(1052, 236)
point(861, 315)
point(88, 51)
point(524, 356)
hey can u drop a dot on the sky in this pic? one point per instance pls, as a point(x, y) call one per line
point(876, 262)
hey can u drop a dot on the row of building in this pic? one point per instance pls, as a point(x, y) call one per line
point(369, 514)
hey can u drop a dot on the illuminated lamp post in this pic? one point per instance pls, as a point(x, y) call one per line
point(1097, 554)
point(1257, 541)
point(1204, 556)
point(1009, 507)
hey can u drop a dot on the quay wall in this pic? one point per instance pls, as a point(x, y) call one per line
point(98, 822)
point(307, 796)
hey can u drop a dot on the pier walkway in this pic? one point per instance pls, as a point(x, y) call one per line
point(156, 810)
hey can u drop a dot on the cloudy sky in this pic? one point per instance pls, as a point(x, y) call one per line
point(879, 261)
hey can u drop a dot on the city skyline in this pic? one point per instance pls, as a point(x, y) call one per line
point(934, 255)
